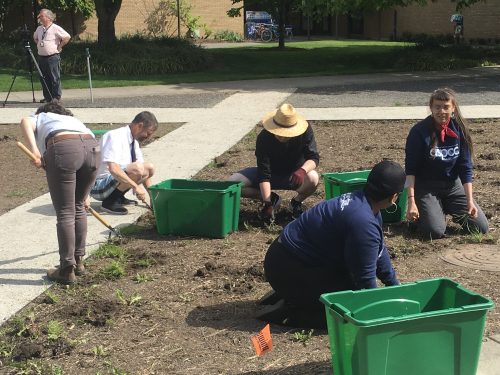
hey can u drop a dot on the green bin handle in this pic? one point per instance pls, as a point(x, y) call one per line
point(387, 308)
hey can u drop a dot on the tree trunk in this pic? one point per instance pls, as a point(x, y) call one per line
point(281, 40)
point(106, 10)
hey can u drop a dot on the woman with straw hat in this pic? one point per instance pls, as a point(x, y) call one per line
point(286, 159)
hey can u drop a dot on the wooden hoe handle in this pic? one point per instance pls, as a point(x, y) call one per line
point(26, 151)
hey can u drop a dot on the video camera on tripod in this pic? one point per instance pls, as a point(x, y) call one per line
point(25, 36)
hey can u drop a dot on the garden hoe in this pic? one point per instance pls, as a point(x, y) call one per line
point(90, 209)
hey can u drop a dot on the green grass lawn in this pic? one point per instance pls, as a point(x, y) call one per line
point(309, 58)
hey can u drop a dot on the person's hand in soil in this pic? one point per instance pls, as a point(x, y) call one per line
point(266, 213)
point(412, 213)
point(140, 193)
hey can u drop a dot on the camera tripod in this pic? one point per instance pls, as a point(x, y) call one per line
point(31, 60)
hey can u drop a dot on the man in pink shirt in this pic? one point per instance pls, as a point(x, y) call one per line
point(50, 39)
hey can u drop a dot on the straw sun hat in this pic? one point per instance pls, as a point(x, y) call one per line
point(285, 122)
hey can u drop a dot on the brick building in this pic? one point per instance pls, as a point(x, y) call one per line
point(132, 14)
point(482, 20)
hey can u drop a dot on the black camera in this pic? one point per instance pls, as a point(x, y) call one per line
point(25, 36)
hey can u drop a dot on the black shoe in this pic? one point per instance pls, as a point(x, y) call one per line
point(44, 101)
point(276, 313)
point(270, 298)
point(275, 200)
point(296, 208)
point(127, 202)
point(113, 208)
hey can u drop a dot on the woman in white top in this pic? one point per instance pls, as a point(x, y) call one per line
point(69, 153)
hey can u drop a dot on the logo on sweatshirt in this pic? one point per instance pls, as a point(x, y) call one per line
point(445, 153)
point(345, 199)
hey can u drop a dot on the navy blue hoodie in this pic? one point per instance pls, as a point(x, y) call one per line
point(446, 162)
point(344, 235)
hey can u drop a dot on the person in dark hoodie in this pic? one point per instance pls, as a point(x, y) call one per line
point(336, 245)
point(439, 170)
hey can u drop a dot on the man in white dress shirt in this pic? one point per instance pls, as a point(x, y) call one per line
point(122, 164)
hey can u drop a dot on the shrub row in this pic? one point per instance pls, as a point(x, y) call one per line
point(445, 58)
point(132, 56)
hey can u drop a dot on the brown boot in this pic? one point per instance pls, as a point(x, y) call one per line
point(80, 268)
point(64, 276)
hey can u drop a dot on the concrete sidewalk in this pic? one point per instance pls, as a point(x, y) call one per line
point(207, 132)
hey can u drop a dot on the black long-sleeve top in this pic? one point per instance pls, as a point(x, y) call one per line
point(283, 158)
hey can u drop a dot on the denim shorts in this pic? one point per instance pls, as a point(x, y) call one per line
point(103, 187)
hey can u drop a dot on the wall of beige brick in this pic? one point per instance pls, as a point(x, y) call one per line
point(482, 20)
point(132, 15)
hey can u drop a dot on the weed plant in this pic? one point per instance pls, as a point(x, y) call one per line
point(303, 336)
point(142, 278)
point(51, 297)
point(114, 270)
point(54, 330)
point(110, 250)
point(146, 262)
point(100, 351)
point(131, 300)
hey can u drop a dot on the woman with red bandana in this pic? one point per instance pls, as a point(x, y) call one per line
point(439, 170)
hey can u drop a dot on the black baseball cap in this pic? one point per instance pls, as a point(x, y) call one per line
point(385, 179)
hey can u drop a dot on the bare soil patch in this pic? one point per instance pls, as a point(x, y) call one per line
point(186, 305)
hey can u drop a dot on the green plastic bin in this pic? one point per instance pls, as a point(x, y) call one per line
point(427, 327)
point(100, 131)
point(196, 208)
point(339, 183)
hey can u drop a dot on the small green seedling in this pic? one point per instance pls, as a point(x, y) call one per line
point(142, 278)
point(116, 371)
point(272, 228)
point(303, 336)
point(476, 236)
point(100, 351)
point(6, 349)
point(54, 330)
point(134, 299)
point(51, 297)
point(114, 270)
point(146, 263)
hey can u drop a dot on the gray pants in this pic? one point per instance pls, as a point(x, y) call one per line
point(435, 199)
point(51, 70)
point(71, 167)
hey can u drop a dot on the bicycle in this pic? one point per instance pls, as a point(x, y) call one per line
point(254, 31)
point(272, 33)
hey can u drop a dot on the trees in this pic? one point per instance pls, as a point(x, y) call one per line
point(85, 8)
point(277, 8)
point(317, 9)
point(106, 11)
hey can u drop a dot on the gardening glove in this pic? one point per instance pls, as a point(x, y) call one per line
point(297, 177)
point(267, 212)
